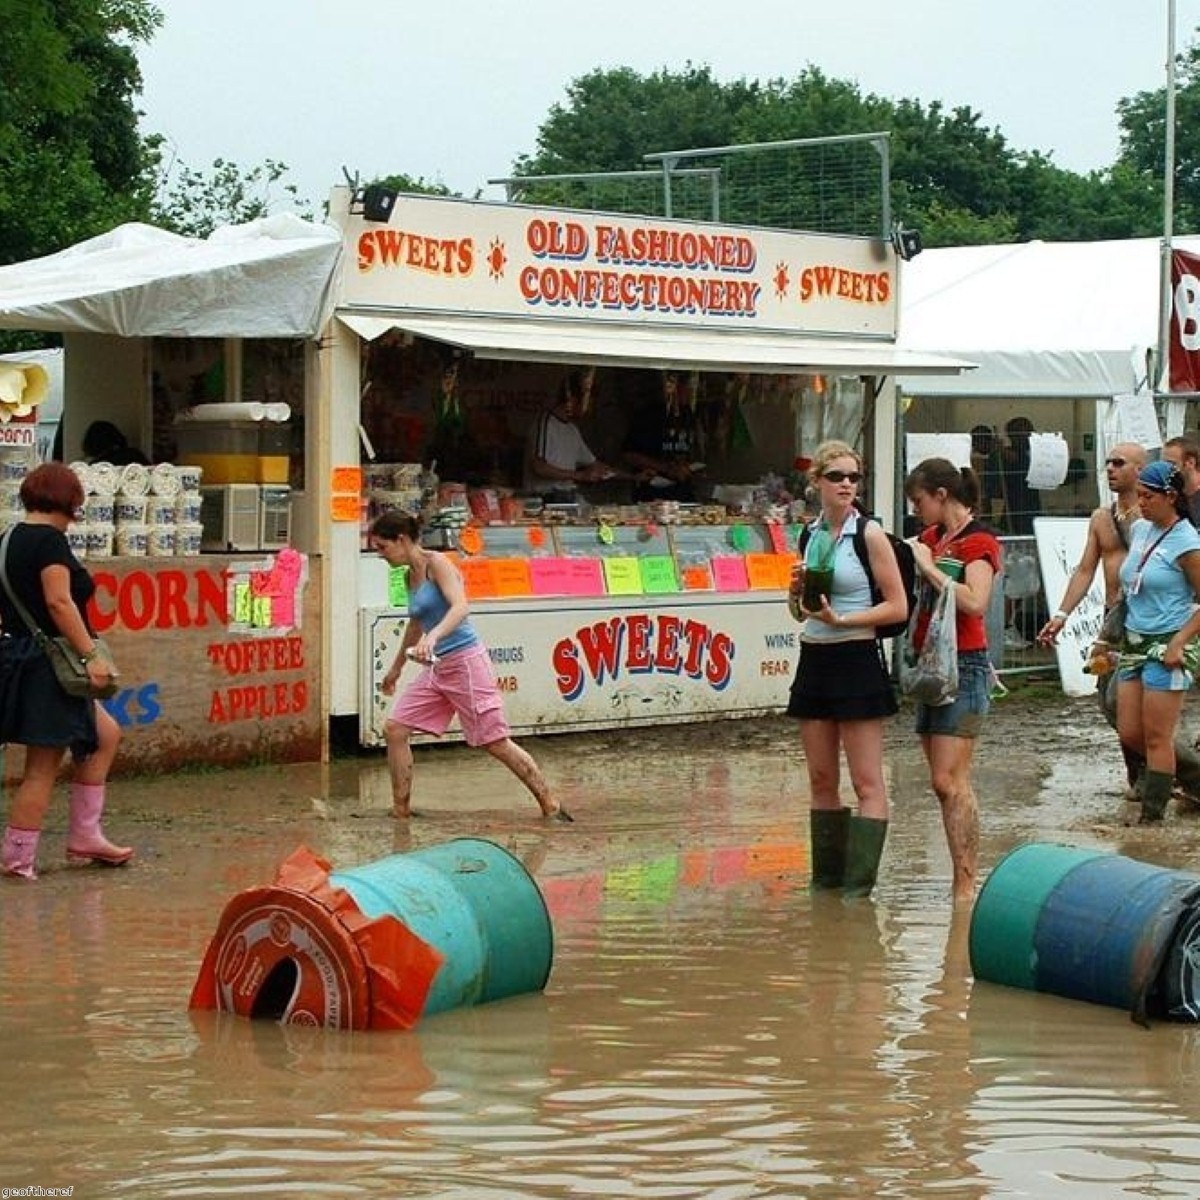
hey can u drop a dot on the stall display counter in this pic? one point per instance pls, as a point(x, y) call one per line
point(594, 627)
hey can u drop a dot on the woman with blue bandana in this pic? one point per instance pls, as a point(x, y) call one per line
point(1159, 656)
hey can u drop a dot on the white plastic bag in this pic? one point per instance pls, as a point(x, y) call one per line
point(931, 677)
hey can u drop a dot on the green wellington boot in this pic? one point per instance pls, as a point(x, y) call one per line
point(864, 849)
point(828, 831)
point(1156, 792)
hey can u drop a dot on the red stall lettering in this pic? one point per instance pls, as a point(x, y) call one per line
point(170, 599)
point(261, 702)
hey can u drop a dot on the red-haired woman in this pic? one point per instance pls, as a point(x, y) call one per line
point(35, 712)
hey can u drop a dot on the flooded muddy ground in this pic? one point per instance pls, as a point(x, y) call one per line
point(710, 1028)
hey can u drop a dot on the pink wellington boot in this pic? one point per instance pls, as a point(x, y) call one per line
point(19, 856)
point(84, 837)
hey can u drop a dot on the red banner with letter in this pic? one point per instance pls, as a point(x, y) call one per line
point(1184, 351)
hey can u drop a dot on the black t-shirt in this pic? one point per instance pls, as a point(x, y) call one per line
point(31, 549)
point(664, 435)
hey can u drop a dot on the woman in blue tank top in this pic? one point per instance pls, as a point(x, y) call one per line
point(457, 679)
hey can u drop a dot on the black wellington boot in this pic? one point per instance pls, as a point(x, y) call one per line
point(864, 849)
point(829, 829)
point(1156, 792)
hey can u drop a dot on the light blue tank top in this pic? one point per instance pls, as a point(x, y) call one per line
point(427, 606)
point(851, 587)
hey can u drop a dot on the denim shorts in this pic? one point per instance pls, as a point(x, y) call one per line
point(964, 717)
point(1156, 677)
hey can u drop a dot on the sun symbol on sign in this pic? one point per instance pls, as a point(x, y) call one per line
point(781, 280)
point(497, 260)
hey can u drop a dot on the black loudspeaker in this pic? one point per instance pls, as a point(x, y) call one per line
point(908, 243)
point(378, 203)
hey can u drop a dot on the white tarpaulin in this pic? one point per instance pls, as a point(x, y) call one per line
point(268, 278)
point(1070, 319)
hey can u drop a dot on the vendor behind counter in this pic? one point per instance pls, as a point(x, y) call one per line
point(557, 459)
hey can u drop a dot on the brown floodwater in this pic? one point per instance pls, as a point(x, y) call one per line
point(710, 1028)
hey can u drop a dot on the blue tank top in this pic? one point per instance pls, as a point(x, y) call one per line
point(427, 606)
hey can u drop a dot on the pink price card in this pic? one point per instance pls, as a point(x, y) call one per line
point(729, 574)
point(567, 577)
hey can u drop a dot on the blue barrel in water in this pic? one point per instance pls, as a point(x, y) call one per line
point(1083, 924)
point(472, 901)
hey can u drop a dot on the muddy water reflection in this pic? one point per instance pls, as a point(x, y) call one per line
point(711, 1029)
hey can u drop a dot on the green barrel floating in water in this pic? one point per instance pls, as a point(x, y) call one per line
point(1091, 926)
point(472, 901)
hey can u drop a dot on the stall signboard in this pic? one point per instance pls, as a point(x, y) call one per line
point(440, 255)
point(620, 660)
point(219, 658)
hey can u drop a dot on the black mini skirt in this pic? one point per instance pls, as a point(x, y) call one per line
point(841, 681)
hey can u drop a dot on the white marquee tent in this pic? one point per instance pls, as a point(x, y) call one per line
point(1041, 319)
point(269, 278)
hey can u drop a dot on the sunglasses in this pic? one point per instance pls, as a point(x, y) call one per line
point(1116, 462)
point(842, 476)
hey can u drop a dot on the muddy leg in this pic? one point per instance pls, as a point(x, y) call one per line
point(400, 767)
point(520, 763)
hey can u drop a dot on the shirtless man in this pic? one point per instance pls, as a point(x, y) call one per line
point(1107, 544)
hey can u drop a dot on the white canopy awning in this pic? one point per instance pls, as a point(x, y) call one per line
point(624, 345)
point(267, 278)
point(1051, 319)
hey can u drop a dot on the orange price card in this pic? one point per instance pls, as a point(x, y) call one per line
point(512, 577)
point(346, 479)
point(697, 577)
point(345, 507)
point(479, 576)
point(729, 573)
point(784, 564)
point(471, 540)
point(762, 571)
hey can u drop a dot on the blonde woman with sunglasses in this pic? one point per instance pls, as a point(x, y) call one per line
point(842, 694)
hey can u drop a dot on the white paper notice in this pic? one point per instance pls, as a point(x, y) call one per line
point(954, 446)
point(1049, 456)
point(1061, 542)
point(1136, 421)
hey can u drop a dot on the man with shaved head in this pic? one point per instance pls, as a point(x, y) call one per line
point(1106, 547)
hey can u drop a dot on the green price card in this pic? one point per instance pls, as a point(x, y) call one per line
point(658, 574)
point(622, 577)
point(242, 603)
point(740, 537)
point(260, 612)
point(398, 587)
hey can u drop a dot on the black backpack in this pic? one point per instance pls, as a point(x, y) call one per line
point(904, 560)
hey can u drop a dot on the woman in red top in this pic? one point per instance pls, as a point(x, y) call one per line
point(955, 550)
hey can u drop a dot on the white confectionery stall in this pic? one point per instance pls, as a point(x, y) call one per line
point(455, 324)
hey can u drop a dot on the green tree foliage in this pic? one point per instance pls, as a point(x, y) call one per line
point(194, 203)
point(1142, 121)
point(69, 144)
point(952, 177)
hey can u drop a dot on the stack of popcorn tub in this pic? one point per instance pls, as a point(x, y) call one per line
point(132, 500)
point(15, 463)
point(137, 510)
point(177, 489)
point(99, 482)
